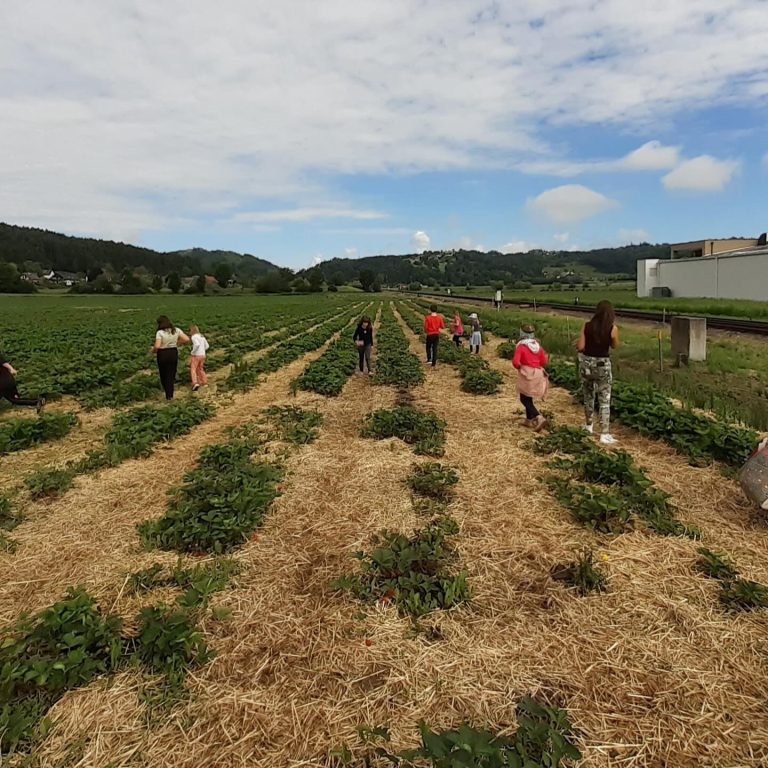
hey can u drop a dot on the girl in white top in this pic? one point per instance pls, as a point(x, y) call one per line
point(197, 359)
point(167, 340)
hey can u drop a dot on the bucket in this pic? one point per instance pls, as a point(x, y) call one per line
point(754, 476)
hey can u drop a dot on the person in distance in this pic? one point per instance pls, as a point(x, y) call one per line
point(166, 347)
point(363, 338)
point(433, 324)
point(10, 391)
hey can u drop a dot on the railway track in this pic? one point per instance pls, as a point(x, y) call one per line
point(735, 325)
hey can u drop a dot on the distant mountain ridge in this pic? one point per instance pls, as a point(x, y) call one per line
point(28, 247)
point(460, 267)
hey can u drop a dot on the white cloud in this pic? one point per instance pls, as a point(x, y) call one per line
point(317, 260)
point(562, 237)
point(350, 253)
point(629, 236)
point(303, 214)
point(703, 174)
point(467, 244)
point(420, 241)
point(653, 156)
point(570, 204)
point(517, 246)
point(135, 116)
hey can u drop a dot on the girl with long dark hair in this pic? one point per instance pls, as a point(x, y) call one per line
point(166, 347)
point(363, 338)
point(598, 337)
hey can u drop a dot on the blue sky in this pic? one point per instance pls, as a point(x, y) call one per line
point(300, 131)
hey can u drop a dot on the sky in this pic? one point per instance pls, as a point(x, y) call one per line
point(300, 131)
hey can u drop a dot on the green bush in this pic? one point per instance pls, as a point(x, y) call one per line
point(423, 430)
point(582, 574)
point(49, 482)
point(296, 425)
point(433, 480)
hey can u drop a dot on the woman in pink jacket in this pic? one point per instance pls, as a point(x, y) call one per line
point(530, 360)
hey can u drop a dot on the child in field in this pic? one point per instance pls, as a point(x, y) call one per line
point(476, 339)
point(197, 358)
point(530, 360)
point(457, 329)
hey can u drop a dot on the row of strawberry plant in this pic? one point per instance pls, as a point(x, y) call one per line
point(649, 412)
point(73, 642)
point(630, 493)
point(247, 374)
point(544, 737)
point(395, 363)
point(329, 373)
point(224, 499)
point(424, 431)
point(133, 434)
point(22, 433)
point(477, 377)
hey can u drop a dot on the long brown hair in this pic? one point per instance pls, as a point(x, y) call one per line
point(364, 319)
point(600, 327)
point(164, 324)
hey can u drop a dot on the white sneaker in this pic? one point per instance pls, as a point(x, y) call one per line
point(589, 428)
point(607, 439)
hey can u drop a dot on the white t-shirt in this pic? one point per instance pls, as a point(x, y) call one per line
point(168, 339)
point(199, 345)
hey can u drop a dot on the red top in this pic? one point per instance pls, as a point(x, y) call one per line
point(433, 324)
point(524, 356)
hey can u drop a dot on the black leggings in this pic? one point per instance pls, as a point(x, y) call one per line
point(531, 412)
point(9, 391)
point(432, 342)
point(167, 363)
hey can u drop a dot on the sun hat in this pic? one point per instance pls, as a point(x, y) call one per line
point(473, 316)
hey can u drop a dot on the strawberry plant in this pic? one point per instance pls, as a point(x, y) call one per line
point(423, 430)
point(135, 433)
point(329, 373)
point(20, 434)
point(168, 642)
point(410, 571)
point(295, 425)
point(433, 480)
point(743, 595)
point(220, 504)
point(602, 511)
point(544, 739)
point(49, 482)
point(9, 517)
point(583, 574)
point(43, 656)
point(716, 565)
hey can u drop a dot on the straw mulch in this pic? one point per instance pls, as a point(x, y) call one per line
point(653, 673)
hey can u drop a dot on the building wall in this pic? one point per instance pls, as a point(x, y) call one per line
point(724, 277)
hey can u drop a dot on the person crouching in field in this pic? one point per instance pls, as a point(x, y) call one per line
point(457, 329)
point(166, 347)
point(9, 390)
point(433, 324)
point(197, 358)
point(530, 360)
point(363, 339)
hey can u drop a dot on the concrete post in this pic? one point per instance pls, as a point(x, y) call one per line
point(689, 338)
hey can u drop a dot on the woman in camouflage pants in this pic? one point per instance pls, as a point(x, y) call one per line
point(598, 337)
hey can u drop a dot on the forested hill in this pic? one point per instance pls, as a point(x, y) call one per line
point(33, 250)
point(481, 268)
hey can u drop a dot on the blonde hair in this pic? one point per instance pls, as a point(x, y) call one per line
point(193, 329)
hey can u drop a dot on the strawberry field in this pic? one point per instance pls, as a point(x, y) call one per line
point(303, 566)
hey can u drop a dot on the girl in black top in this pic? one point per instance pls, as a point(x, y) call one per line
point(10, 392)
point(598, 337)
point(363, 338)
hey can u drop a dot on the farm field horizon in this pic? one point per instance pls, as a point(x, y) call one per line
point(298, 564)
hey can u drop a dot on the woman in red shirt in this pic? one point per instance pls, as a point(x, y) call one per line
point(530, 360)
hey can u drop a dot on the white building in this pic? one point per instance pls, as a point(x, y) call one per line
point(741, 273)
